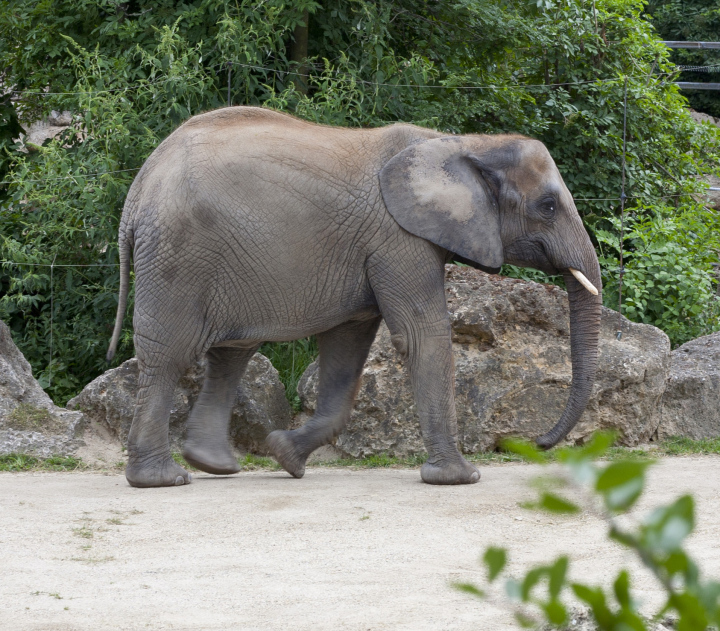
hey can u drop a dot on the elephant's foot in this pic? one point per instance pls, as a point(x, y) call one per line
point(216, 460)
point(158, 471)
point(455, 471)
point(284, 448)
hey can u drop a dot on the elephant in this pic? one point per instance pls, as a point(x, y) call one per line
point(248, 225)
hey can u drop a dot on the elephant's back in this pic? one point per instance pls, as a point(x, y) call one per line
point(254, 179)
point(239, 145)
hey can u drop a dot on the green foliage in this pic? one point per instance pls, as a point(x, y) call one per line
point(130, 73)
point(23, 462)
point(10, 129)
point(599, 447)
point(680, 446)
point(27, 416)
point(610, 489)
point(668, 282)
point(251, 462)
point(291, 359)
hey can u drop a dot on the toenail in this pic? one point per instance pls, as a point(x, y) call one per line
point(179, 481)
point(475, 477)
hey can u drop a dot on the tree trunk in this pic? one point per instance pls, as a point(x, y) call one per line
point(298, 55)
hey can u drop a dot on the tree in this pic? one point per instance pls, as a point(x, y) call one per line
point(132, 72)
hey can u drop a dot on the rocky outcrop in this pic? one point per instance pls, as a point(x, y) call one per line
point(691, 403)
point(512, 372)
point(260, 407)
point(29, 421)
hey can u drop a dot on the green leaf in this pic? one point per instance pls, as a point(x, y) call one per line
point(621, 587)
point(555, 612)
point(513, 589)
point(557, 573)
point(667, 527)
point(525, 449)
point(595, 598)
point(621, 483)
point(692, 614)
point(531, 579)
point(555, 504)
point(525, 621)
point(495, 559)
point(599, 444)
point(469, 588)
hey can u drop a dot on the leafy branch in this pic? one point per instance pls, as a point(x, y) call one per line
point(610, 490)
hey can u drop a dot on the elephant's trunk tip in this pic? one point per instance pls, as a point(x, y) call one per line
point(546, 441)
point(582, 279)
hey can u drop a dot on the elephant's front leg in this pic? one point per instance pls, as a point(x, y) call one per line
point(428, 350)
point(343, 351)
point(206, 445)
point(412, 301)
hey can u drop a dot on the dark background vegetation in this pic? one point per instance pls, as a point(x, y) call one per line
point(692, 21)
point(131, 72)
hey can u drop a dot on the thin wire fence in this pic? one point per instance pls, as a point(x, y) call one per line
point(346, 76)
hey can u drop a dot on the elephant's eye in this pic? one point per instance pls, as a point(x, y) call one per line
point(546, 208)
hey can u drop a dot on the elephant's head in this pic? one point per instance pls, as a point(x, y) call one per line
point(500, 199)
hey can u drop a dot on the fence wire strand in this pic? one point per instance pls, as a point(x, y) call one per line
point(345, 76)
point(621, 271)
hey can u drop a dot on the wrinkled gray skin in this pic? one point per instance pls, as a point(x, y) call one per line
point(248, 225)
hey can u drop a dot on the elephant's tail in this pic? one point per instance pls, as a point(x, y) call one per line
point(124, 251)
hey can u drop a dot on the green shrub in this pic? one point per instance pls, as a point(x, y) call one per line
point(291, 359)
point(668, 262)
point(610, 490)
point(132, 72)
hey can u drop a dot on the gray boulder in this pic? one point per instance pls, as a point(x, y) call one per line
point(512, 373)
point(691, 404)
point(260, 407)
point(30, 422)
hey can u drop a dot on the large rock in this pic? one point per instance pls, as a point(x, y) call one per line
point(260, 406)
point(691, 403)
point(29, 421)
point(512, 372)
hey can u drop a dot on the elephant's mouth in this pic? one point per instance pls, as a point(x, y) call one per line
point(476, 265)
point(529, 252)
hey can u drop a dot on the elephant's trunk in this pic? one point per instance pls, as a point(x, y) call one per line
point(584, 334)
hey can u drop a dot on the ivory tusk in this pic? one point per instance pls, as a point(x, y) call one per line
point(584, 281)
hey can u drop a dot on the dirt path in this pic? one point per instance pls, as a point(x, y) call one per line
point(338, 550)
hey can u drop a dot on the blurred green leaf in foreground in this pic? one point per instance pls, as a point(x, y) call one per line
point(608, 489)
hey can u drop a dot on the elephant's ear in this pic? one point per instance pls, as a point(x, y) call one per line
point(439, 191)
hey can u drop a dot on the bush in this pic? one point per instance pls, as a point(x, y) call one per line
point(692, 20)
point(610, 490)
point(667, 280)
point(132, 72)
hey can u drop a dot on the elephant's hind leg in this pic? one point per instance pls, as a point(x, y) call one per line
point(207, 446)
point(150, 462)
point(343, 351)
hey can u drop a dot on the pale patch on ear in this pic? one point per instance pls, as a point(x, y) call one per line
point(432, 186)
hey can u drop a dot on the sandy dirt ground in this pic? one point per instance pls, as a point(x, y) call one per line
point(338, 550)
